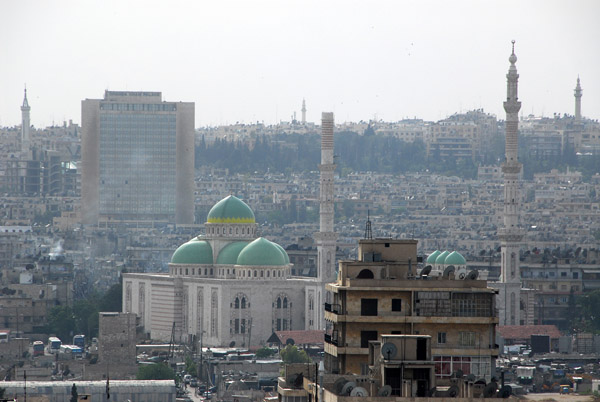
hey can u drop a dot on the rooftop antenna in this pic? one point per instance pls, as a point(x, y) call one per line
point(368, 230)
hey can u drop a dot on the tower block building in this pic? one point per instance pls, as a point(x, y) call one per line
point(326, 237)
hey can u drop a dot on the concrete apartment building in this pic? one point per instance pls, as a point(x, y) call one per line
point(137, 158)
point(382, 293)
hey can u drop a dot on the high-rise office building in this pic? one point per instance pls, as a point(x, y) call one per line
point(137, 158)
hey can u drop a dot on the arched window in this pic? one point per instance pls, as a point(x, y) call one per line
point(285, 302)
point(268, 274)
point(244, 302)
point(255, 273)
point(262, 274)
point(279, 302)
point(236, 304)
point(230, 231)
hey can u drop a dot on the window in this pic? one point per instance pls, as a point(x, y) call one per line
point(366, 336)
point(396, 304)
point(368, 307)
point(466, 338)
point(563, 274)
point(441, 338)
point(575, 275)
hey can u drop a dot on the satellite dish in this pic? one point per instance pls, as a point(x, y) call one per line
point(231, 344)
point(481, 381)
point(490, 390)
point(388, 350)
point(472, 275)
point(386, 390)
point(452, 391)
point(348, 387)
point(359, 391)
point(505, 392)
point(471, 378)
point(338, 385)
point(449, 270)
point(462, 275)
point(426, 270)
point(459, 373)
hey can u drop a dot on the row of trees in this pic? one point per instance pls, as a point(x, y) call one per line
point(288, 153)
point(82, 317)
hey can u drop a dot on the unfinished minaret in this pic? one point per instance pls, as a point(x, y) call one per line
point(303, 111)
point(326, 237)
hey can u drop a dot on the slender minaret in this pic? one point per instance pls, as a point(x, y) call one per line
point(511, 235)
point(578, 101)
point(326, 237)
point(25, 125)
point(303, 111)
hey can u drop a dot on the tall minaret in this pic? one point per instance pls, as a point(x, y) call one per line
point(303, 111)
point(511, 235)
point(326, 237)
point(25, 125)
point(578, 101)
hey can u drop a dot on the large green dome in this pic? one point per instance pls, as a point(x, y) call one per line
point(455, 258)
point(441, 258)
point(193, 252)
point(433, 256)
point(285, 254)
point(261, 252)
point(230, 210)
point(229, 254)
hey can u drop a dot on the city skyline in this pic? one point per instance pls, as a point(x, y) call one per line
point(242, 62)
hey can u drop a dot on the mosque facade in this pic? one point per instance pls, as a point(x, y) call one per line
point(228, 287)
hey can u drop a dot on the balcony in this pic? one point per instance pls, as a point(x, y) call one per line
point(333, 308)
point(331, 339)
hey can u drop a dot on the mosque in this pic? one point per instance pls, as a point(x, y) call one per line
point(228, 287)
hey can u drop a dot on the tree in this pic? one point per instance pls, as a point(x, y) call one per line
point(291, 354)
point(155, 371)
point(264, 352)
point(74, 394)
point(190, 366)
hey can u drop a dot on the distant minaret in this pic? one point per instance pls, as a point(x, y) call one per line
point(511, 234)
point(578, 101)
point(303, 111)
point(25, 124)
point(326, 237)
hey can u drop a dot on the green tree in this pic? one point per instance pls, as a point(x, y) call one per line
point(264, 352)
point(155, 371)
point(291, 354)
point(190, 366)
point(74, 394)
point(61, 321)
point(112, 299)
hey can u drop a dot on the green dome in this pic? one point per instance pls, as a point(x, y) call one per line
point(441, 258)
point(193, 252)
point(433, 256)
point(229, 254)
point(285, 254)
point(261, 252)
point(455, 258)
point(230, 210)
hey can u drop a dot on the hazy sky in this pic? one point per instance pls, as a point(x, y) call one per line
point(253, 61)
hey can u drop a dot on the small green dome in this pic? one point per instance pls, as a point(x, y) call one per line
point(441, 258)
point(229, 254)
point(261, 252)
point(433, 256)
point(193, 252)
point(455, 258)
point(285, 254)
point(230, 210)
